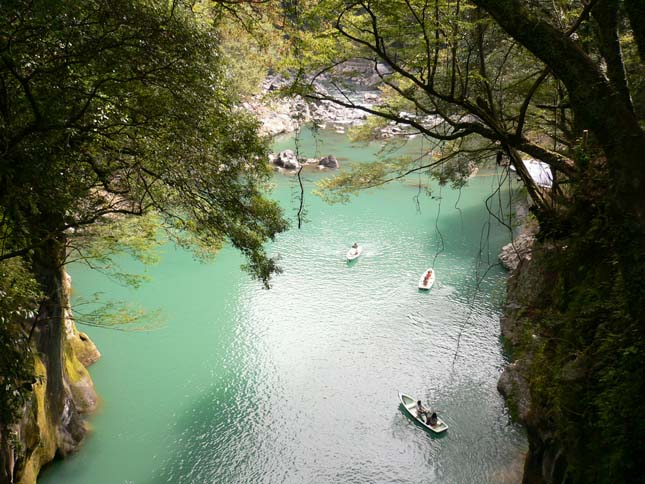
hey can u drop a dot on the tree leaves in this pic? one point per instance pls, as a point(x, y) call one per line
point(19, 296)
point(124, 108)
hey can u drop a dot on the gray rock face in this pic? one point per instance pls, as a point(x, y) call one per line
point(287, 114)
point(328, 113)
point(513, 386)
point(519, 249)
point(528, 288)
point(329, 161)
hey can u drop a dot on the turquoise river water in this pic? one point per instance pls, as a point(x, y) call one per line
point(298, 384)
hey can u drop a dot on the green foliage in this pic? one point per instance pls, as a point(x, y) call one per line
point(126, 108)
point(251, 52)
point(366, 132)
point(451, 163)
point(445, 70)
point(99, 244)
point(19, 296)
point(350, 182)
point(116, 315)
point(112, 110)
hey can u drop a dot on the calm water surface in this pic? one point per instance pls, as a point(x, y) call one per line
point(299, 384)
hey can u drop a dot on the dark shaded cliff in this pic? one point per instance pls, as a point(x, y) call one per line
point(576, 379)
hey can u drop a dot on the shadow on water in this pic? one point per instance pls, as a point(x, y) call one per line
point(205, 445)
point(353, 262)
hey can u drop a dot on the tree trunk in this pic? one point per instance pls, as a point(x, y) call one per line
point(48, 268)
point(636, 13)
point(7, 456)
point(605, 14)
point(597, 106)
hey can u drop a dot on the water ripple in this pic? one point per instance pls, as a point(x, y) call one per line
point(299, 384)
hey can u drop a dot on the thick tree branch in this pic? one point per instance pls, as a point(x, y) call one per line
point(596, 104)
point(605, 14)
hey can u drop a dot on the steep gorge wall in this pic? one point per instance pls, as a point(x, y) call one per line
point(529, 290)
point(50, 428)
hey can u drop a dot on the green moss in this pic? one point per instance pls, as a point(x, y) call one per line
point(74, 369)
point(40, 431)
point(78, 377)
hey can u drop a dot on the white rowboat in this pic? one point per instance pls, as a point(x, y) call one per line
point(427, 279)
point(410, 404)
point(354, 252)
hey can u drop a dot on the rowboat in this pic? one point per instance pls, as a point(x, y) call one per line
point(410, 404)
point(427, 279)
point(354, 252)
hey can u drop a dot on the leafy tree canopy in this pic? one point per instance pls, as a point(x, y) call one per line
point(111, 110)
point(123, 108)
point(19, 296)
point(453, 70)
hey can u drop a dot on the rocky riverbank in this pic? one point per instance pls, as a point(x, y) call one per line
point(520, 247)
point(528, 289)
point(44, 432)
point(279, 114)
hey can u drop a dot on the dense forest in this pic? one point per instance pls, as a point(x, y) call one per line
point(122, 120)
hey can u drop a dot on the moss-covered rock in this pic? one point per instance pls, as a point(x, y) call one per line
point(36, 433)
point(42, 434)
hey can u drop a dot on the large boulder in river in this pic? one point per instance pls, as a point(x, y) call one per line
point(286, 159)
point(329, 161)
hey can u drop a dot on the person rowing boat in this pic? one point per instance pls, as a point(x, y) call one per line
point(422, 411)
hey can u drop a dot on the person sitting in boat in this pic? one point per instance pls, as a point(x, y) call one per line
point(433, 419)
point(427, 277)
point(422, 411)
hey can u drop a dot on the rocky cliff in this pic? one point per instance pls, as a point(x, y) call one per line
point(528, 292)
point(52, 428)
